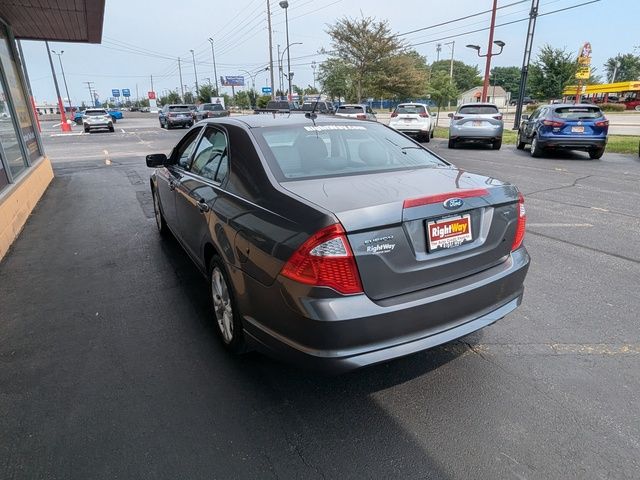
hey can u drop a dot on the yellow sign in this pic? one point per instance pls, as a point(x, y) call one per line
point(584, 57)
point(584, 72)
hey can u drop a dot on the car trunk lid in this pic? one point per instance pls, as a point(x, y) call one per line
point(387, 217)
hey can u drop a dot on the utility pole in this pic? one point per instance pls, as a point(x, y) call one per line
point(279, 70)
point(91, 98)
point(152, 83)
point(273, 90)
point(64, 78)
point(487, 69)
point(63, 118)
point(453, 46)
point(180, 73)
point(195, 72)
point(438, 48)
point(313, 67)
point(285, 4)
point(533, 15)
point(215, 73)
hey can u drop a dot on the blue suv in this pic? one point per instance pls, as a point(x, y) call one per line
point(564, 127)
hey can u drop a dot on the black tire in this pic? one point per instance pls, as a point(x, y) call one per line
point(225, 311)
point(452, 143)
point(519, 143)
point(86, 130)
point(161, 223)
point(536, 149)
point(161, 124)
point(111, 129)
point(426, 138)
point(596, 153)
point(433, 132)
point(167, 125)
point(497, 144)
point(113, 119)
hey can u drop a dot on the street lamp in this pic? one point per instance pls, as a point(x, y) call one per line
point(195, 72)
point(313, 66)
point(490, 53)
point(285, 4)
point(286, 50)
point(64, 79)
point(215, 74)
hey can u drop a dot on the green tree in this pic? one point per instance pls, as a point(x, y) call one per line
point(205, 92)
point(442, 90)
point(464, 76)
point(311, 90)
point(263, 100)
point(171, 97)
point(627, 67)
point(507, 78)
point(334, 76)
point(403, 76)
point(363, 45)
point(299, 91)
point(242, 99)
point(553, 70)
point(188, 97)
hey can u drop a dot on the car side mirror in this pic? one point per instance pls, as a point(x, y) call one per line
point(525, 117)
point(155, 160)
point(450, 115)
point(433, 114)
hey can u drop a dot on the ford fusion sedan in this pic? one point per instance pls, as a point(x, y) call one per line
point(336, 243)
point(97, 118)
point(564, 127)
point(476, 123)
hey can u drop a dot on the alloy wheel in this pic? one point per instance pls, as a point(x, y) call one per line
point(222, 304)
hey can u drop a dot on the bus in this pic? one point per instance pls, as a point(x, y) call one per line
point(619, 92)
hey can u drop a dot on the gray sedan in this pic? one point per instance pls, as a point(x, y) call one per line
point(336, 243)
point(477, 123)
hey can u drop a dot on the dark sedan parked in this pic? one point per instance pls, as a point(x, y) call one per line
point(210, 110)
point(564, 127)
point(175, 116)
point(338, 243)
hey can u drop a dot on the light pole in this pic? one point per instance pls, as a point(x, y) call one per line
point(195, 72)
point(64, 79)
point(285, 4)
point(215, 73)
point(313, 66)
point(286, 50)
point(63, 118)
point(487, 72)
point(453, 46)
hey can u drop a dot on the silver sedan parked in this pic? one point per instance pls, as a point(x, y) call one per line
point(478, 123)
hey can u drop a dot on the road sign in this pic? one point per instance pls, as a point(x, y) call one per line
point(266, 89)
point(151, 95)
point(584, 72)
point(115, 92)
point(126, 92)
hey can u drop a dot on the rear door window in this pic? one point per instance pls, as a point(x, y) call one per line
point(478, 110)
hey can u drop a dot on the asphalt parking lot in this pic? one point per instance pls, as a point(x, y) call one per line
point(111, 367)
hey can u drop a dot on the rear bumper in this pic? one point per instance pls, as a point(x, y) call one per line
point(338, 334)
point(412, 129)
point(574, 143)
point(479, 134)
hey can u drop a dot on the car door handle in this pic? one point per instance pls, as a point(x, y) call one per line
point(202, 205)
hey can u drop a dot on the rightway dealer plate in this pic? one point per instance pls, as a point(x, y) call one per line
point(449, 232)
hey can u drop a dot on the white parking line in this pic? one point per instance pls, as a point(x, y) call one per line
point(122, 130)
point(562, 225)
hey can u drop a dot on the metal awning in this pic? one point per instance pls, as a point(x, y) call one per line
point(55, 20)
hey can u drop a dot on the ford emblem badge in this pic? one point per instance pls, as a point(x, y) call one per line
point(452, 203)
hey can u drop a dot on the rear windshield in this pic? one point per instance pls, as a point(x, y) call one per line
point(307, 107)
point(417, 109)
point(478, 110)
point(178, 108)
point(330, 150)
point(350, 109)
point(577, 113)
point(95, 112)
point(213, 106)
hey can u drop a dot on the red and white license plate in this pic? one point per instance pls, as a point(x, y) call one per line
point(477, 123)
point(577, 129)
point(449, 232)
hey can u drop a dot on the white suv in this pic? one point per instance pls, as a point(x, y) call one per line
point(361, 112)
point(96, 118)
point(414, 119)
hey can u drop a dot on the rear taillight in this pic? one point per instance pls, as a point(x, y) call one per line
point(602, 123)
point(361, 117)
point(498, 117)
point(424, 115)
point(522, 220)
point(394, 114)
point(325, 260)
point(171, 115)
point(552, 123)
point(458, 117)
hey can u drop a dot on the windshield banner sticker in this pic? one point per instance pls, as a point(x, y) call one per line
point(321, 128)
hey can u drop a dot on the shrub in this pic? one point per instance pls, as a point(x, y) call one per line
point(612, 107)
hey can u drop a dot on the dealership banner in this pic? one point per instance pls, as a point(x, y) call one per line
point(233, 81)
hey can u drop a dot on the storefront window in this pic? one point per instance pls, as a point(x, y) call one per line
point(13, 153)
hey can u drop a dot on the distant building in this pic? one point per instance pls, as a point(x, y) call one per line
point(47, 109)
point(495, 95)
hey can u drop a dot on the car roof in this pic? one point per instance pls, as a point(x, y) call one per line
point(563, 105)
point(478, 104)
point(280, 119)
point(412, 103)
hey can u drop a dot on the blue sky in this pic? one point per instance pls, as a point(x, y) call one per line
point(163, 30)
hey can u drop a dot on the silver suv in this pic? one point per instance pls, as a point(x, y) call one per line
point(96, 118)
point(478, 123)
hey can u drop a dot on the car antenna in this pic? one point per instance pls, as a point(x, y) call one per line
point(312, 114)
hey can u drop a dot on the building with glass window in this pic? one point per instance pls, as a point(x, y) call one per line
point(25, 170)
